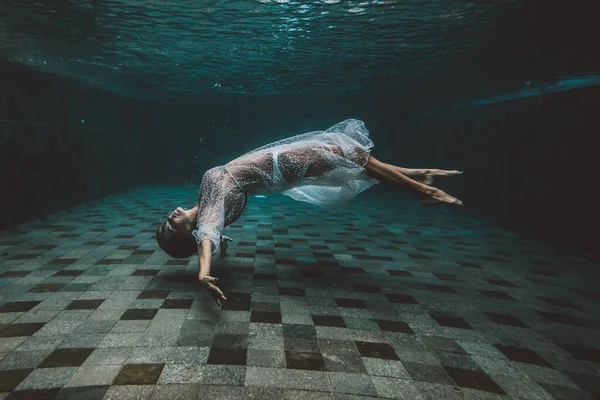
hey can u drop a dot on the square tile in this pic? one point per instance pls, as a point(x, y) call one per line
point(188, 355)
point(309, 361)
point(14, 274)
point(264, 305)
point(338, 347)
point(225, 356)
point(84, 304)
point(181, 374)
point(394, 326)
point(18, 306)
point(237, 301)
point(232, 375)
point(367, 289)
point(184, 304)
point(139, 314)
point(376, 350)
point(196, 333)
point(266, 358)
point(66, 358)
point(225, 341)
point(266, 317)
point(153, 294)
point(524, 355)
point(139, 374)
point(26, 329)
point(232, 327)
point(12, 378)
point(451, 321)
point(328, 320)
point(350, 303)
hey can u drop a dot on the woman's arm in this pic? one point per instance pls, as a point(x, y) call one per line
point(204, 260)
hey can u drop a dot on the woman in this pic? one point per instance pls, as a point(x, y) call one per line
point(326, 168)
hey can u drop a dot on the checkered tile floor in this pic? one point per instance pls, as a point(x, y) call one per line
point(383, 299)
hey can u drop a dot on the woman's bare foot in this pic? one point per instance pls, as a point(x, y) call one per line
point(439, 196)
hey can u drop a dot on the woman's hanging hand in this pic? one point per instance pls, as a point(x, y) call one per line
point(209, 283)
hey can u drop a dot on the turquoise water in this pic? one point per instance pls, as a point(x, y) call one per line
point(463, 49)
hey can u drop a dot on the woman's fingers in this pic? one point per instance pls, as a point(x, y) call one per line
point(218, 291)
point(214, 289)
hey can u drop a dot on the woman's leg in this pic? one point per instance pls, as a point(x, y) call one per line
point(393, 175)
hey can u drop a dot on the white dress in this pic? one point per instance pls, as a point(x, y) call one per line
point(324, 168)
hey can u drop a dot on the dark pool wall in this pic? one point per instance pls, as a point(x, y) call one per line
point(49, 159)
point(529, 164)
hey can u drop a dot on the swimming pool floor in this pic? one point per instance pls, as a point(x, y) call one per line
point(382, 299)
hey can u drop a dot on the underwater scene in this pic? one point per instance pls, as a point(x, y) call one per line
point(287, 199)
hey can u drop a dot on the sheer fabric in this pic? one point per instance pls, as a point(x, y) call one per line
point(324, 168)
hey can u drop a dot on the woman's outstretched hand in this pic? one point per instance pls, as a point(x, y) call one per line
point(209, 283)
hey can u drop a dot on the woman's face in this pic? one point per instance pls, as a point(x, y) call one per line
point(178, 220)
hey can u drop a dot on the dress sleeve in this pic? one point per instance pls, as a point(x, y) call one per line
point(211, 208)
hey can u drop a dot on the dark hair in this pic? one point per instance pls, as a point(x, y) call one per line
point(177, 245)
